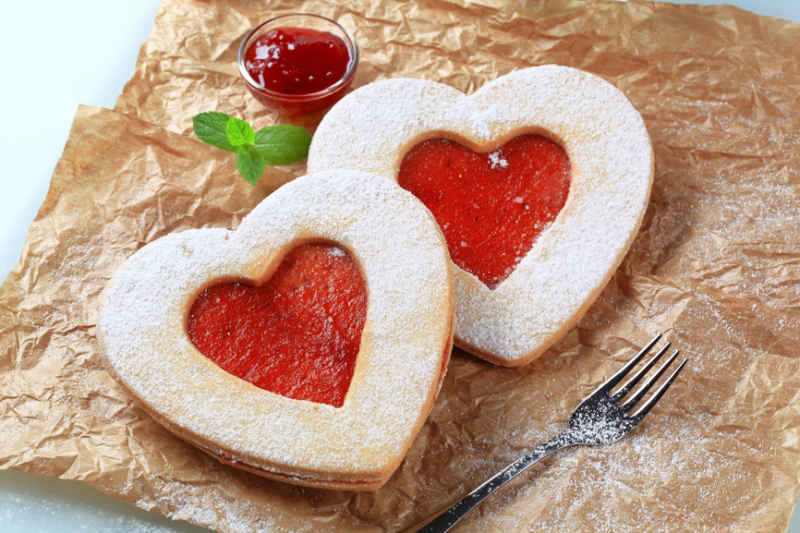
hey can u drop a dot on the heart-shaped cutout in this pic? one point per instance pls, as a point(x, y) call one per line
point(402, 256)
point(490, 207)
point(611, 161)
point(297, 335)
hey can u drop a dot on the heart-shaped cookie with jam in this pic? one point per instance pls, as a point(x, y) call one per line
point(308, 345)
point(539, 182)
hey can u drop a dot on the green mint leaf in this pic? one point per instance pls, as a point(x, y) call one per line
point(210, 127)
point(250, 163)
point(275, 145)
point(282, 144)
point(239, 132)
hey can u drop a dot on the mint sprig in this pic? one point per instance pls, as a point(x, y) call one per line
point(274, 145)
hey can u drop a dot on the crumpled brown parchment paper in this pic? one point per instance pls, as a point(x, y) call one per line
point(716, 267)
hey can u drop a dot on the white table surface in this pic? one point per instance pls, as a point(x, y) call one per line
point(83, 52)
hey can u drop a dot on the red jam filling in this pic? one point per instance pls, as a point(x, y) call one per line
point(490, 207)
point(297, 335)
point(297, 60)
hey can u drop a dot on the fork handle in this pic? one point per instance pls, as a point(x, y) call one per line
point(447, 519)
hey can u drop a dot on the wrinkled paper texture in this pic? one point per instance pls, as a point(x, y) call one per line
point(716, 266)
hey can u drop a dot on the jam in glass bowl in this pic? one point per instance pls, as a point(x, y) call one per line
point(298, 64)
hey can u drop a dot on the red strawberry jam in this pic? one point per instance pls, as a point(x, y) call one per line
point(297, 60)
point(297, 335)
point(490, 207)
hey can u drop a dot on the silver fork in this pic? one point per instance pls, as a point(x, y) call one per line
point(601, 419)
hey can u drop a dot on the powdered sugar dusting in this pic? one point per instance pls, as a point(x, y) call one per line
point(612, 167)
point(663, 450)
point(496, 160)
point(403, 259)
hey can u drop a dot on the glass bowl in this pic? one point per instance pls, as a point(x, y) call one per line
point(299, 104)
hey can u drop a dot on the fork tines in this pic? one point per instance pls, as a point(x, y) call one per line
point(637, 396)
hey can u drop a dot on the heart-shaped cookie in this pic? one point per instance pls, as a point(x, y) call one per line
point(405, 342)
point(610, 157)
